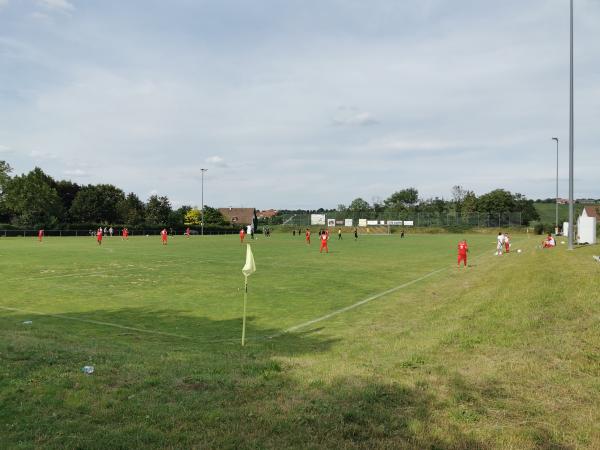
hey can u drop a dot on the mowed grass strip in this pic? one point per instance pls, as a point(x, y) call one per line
point(504, 354)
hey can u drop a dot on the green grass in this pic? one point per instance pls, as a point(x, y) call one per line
point(547, 212)
point(504, 354)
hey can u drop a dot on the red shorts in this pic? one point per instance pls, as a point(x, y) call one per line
point(462, 258)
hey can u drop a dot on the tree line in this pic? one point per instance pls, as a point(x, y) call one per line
point(406, 203)
point(35, 199)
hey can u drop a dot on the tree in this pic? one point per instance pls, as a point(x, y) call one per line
point(5, 171)
point(458, 196)
point(131, 210)
point(496, 201)
point(158, 210)
point(213, 216)
point(98, 204)
point(192, 217)
point(358, 205)
point(67, 191)
point(469, 203)
point(32, 199)
point(526, 208)
point(402, 199)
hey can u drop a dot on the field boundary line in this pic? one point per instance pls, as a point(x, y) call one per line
point(357, 304)
point(95, 322)
point(366, 300)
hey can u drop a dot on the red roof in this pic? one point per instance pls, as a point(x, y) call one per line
point(592, 211)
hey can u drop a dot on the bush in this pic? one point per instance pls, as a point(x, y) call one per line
point(543, 228)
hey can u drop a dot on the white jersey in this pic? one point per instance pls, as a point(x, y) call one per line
point(500, 240)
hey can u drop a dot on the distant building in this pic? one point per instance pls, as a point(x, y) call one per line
point(562, 201)
point(239, 216)
point(266, 214)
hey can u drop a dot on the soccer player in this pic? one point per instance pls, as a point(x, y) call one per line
point(500, 244)
point(339, 233)
point(40, 234)
point(163, 236)
point(308, 235)
point(99, 236)
point(187, 232)
point(463, 248)
point(110, 231)
point(242, 235)
point(507, 243)
point(324, 238)
point(356, 234)
point(549, 242)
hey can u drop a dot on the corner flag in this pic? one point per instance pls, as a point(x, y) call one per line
point(248, 269)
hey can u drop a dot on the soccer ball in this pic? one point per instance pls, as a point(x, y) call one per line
point(496, 254)
point(519, 251)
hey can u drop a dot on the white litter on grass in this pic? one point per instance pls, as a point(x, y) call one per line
point(88, 370)
point(28, 322)
point(597, 258)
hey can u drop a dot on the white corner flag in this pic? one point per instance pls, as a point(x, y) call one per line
point(248, 269)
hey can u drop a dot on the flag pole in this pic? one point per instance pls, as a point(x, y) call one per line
point(244, 316)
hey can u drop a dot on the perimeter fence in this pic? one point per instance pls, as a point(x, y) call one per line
point(417, 219)
point(116, 232)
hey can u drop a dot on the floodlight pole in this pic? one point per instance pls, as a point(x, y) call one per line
point(571, 140)
point(556, 225)
point(202, 209)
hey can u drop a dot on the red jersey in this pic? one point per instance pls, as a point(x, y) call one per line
point(163, 233)
point(462, 248)
point(308, 235)
point(99, 234)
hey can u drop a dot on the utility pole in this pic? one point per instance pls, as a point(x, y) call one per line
point(202, 219)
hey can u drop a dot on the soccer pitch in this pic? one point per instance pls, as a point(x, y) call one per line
point(383, 342)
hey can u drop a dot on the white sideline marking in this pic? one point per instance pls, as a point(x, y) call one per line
point(366, 300)
point(357, 304)
point(95, 322)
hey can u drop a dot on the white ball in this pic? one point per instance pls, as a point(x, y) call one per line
point(519, 251)
point(496, 254)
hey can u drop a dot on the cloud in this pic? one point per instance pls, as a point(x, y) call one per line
point(5, 149)
point(3, 3)
point(216, 161)
point(76, 173)
point(353, 117)
point(57, 5)
point(42, 156)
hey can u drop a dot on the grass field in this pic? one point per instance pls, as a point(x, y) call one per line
point(503, 354)
point(547, 212)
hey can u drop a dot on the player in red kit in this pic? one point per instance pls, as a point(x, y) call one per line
point(40, 235)
point(242, 235)
point(324, 238)
point(187, 232)
point(99, 236)
point(163, 236)
point(308, 236)
point(507, 243)
point(463, 248)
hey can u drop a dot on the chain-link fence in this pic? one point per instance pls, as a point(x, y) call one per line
point(116, 233)
point(417, 219)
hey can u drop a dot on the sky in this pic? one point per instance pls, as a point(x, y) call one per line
point(300, 103)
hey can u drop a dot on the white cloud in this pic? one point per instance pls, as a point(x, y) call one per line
point(57, 5)
point(5, 149)
point(76, 173)
point(38, 155)
point(216, 161)
point(353, 117)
